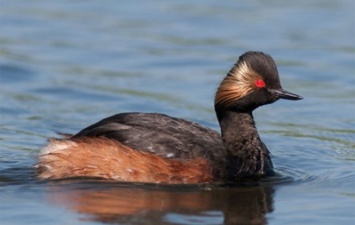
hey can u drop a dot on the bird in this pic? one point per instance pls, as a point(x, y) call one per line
point(156, 148)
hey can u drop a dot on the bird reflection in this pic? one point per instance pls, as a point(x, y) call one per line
point(114, 203)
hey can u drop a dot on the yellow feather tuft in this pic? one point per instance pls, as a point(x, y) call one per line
point(239, 82)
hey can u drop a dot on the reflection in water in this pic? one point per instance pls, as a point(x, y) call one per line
point(122, 203)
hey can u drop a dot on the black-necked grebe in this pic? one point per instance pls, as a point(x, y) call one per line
point(156, 148)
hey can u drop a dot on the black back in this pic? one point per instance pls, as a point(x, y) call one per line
point(159, 134)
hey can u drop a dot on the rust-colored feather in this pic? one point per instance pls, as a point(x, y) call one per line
point(109, 159)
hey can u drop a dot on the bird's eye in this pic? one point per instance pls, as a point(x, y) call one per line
point(260, 83)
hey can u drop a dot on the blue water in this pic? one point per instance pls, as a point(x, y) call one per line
point(67, 64)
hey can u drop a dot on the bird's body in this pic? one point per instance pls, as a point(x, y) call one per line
point(156, 148)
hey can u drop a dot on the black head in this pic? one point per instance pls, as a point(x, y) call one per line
point(253, 81)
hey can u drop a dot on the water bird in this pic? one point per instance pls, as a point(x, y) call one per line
point(157, 148)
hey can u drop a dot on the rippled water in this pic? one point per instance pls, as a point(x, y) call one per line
point(67, 64)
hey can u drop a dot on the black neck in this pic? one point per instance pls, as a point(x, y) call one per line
point(247, 154)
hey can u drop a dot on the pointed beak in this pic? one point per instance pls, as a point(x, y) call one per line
point(281, 93)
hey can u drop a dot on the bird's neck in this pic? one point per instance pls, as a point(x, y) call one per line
point(247, 156)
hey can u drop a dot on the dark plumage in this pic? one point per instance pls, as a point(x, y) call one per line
point(237, 153)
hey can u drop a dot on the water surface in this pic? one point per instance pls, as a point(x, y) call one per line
point(67, 64)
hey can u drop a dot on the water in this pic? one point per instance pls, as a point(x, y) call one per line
point(67, 64)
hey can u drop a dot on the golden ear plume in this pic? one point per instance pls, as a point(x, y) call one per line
point(239, 82)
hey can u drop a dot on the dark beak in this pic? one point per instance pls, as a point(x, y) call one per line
point(281, 93)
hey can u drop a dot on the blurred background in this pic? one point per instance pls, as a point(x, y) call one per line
point(67, 64)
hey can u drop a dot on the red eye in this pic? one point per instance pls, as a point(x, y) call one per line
point(260, 83)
